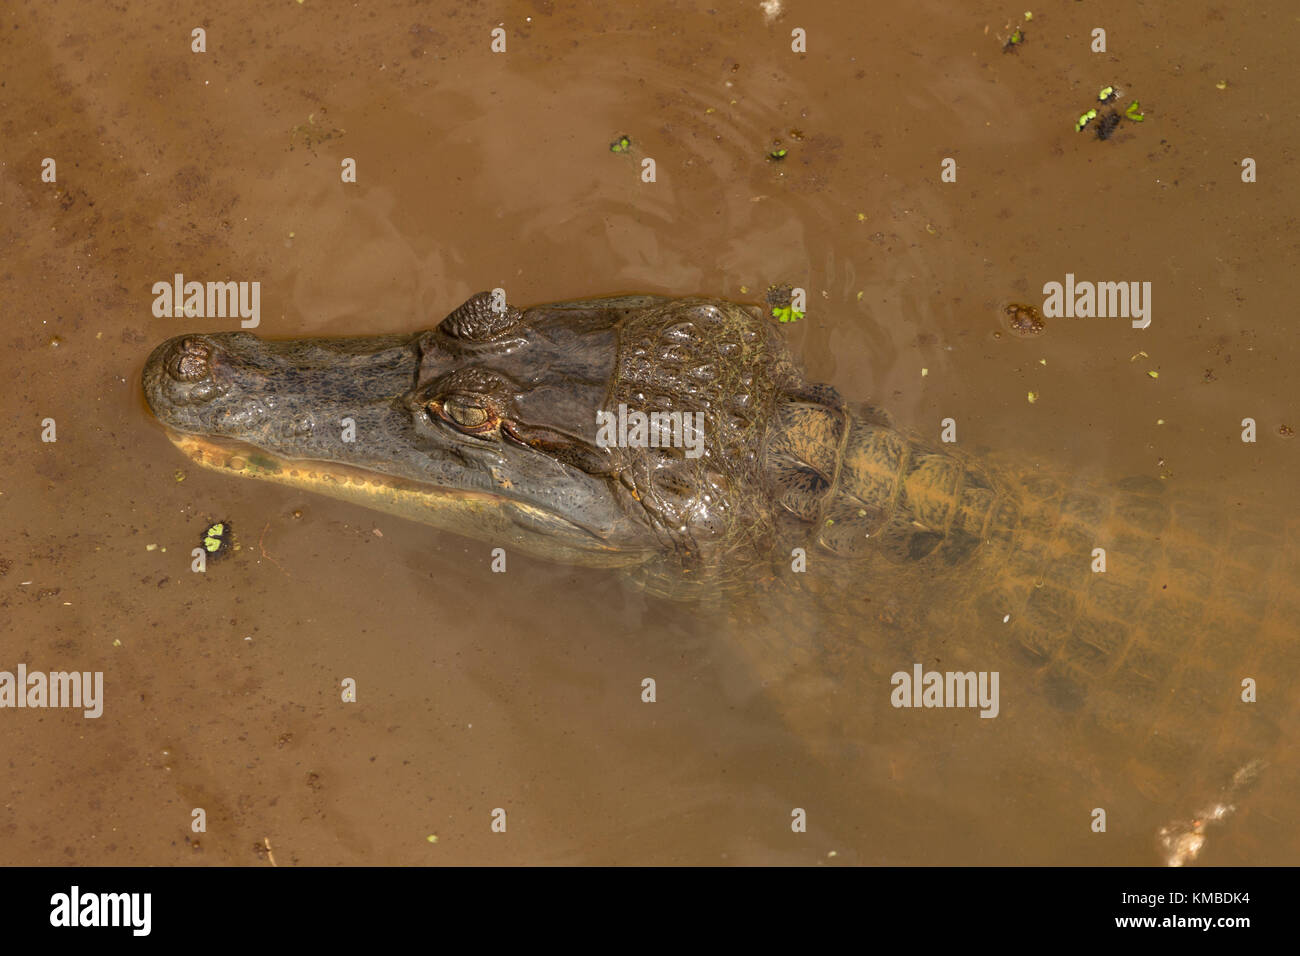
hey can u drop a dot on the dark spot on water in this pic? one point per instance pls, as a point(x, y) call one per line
point(1063, 693)
point(922, 543)
point(1106, 125)
point(1023, 319)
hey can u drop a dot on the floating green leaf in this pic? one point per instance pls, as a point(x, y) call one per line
point(216, 538)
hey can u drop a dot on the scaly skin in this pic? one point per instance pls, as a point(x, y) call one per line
point(486, 426)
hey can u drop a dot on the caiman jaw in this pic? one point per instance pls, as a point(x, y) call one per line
point(344, 417)
point(371, 489)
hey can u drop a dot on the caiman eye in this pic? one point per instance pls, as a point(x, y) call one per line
point(463, 413)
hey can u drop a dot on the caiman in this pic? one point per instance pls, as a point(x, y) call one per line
point(843, 551)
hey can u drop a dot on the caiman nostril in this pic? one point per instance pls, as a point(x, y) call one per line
point(190, 360)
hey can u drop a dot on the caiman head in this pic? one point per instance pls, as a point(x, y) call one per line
point(487, 424)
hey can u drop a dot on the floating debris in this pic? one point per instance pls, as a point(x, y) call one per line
point(1024, 319)
point(311, 134)
point(1107, 125)
point(217, 539)
point(779, 297)
point(1183, 840)
point(1111, 121)
point(1017, 37)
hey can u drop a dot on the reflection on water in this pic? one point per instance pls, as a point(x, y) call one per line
point(523, 691)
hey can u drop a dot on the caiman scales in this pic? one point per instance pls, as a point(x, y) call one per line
point(842, 549)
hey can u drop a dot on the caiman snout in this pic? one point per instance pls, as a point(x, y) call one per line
point(181, 373)
point(235, 384)
point(178, 369)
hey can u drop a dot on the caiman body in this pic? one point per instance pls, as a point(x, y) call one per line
point(487, 426)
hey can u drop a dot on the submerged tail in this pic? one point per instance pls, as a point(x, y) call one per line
point(1148, 637)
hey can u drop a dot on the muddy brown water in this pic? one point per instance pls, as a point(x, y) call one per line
point(476, 170)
